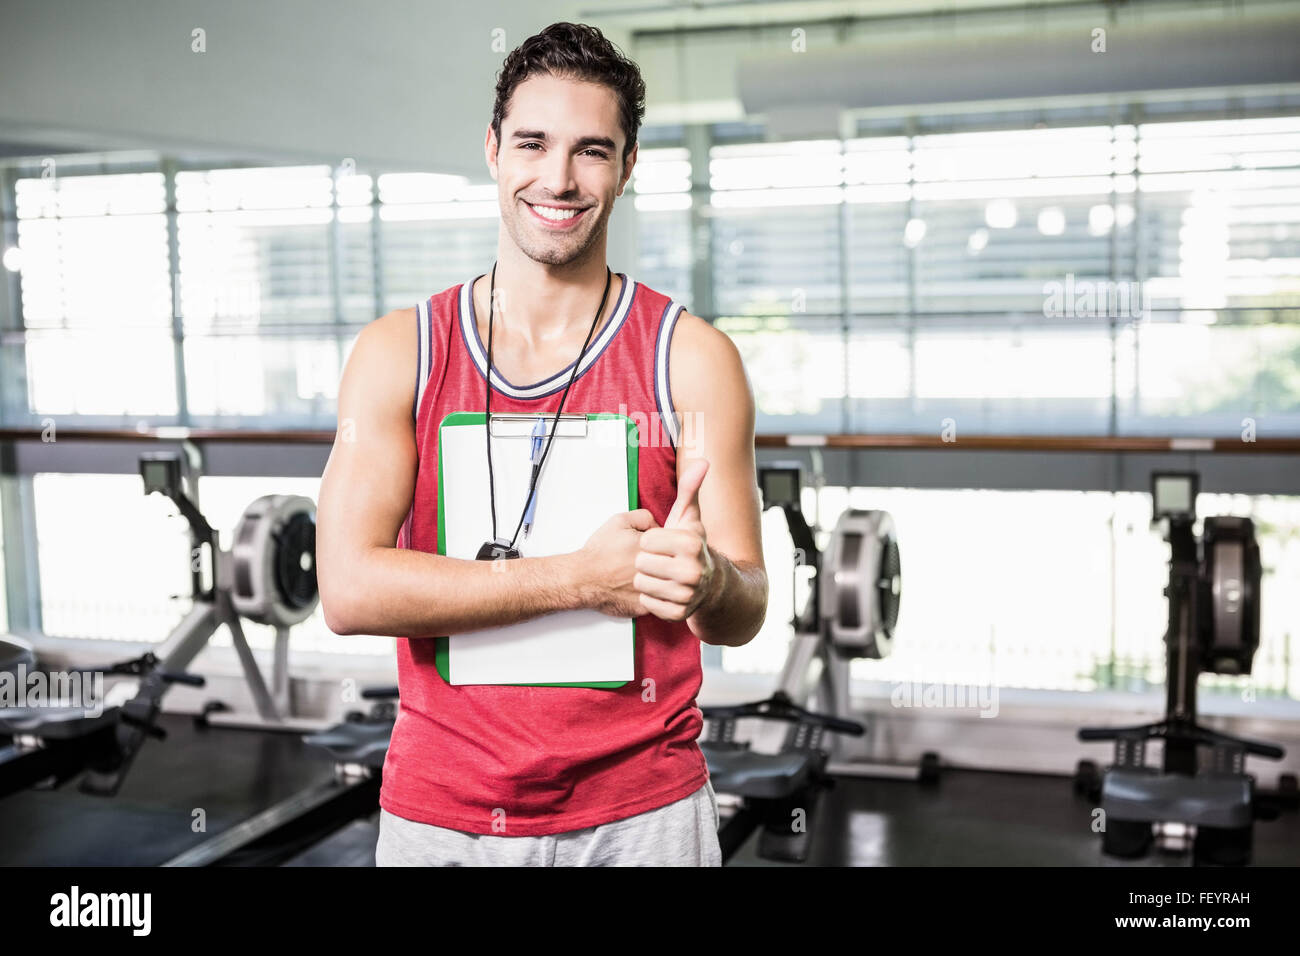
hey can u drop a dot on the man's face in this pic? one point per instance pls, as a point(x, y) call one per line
point(559, 166)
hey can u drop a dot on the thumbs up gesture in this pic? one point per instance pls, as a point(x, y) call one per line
point(675, 570)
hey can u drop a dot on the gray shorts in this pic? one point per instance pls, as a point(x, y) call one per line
point(683, 833)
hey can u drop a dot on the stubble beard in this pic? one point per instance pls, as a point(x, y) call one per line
point(558, 250)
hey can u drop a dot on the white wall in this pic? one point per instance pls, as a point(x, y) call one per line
point(393, 84)
point(407, 85)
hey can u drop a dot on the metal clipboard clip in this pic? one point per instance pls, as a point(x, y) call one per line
point(572, 425)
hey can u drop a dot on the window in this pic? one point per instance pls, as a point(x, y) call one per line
point(115, 563)
point(1066, 279)
point(257, 267)
point(1083, 276)
point(96, 295)
point(437, 232)
point(1222, 208)
point(775, 237)
point(661, 184)
point(1052, 590)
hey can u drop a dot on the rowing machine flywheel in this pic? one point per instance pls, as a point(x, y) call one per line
point(861, 583)
point(1229, 588)
point(274, 558)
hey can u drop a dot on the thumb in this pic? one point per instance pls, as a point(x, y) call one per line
point(641, 519)
point(687, 504)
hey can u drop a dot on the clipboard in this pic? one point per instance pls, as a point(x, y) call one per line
point(589, 474)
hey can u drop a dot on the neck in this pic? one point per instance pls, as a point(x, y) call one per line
point(540, 302)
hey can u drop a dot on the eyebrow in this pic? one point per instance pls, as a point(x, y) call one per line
point(583, 143)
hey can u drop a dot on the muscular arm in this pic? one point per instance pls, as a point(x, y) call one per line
point(713, 397)
point(369, 586)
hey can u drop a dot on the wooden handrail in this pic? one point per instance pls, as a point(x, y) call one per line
point(1038, 443)
point(1023, 443)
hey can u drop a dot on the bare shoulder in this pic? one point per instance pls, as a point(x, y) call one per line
point(395, 329)
point(382, 362)
point(705, 367)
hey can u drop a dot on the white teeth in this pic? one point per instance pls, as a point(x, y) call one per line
point(556, 215)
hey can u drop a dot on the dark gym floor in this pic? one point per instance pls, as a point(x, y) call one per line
point(980, 818)
point(227, 773)
point(971, 818)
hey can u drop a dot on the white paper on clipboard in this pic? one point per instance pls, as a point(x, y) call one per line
point(583, 483)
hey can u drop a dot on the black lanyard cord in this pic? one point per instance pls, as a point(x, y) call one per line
point(532, 485)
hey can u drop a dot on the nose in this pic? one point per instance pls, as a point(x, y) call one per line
point(556, 176)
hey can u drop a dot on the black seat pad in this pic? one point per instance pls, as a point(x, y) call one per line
point(1207, 799)
point(61, 722)
point(355, 742)
point(765, 776)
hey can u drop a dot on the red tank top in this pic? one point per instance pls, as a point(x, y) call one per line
point(551, 758)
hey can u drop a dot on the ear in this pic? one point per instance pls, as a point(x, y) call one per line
point(490, 150)
point(627, 168)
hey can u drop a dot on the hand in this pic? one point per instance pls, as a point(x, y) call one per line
point(607, 563)
point(676, 572)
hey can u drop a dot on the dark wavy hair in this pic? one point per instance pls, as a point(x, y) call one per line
point(580, 52)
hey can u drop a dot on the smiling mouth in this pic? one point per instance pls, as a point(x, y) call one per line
point(555, 214)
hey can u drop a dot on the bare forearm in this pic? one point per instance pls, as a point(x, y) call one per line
point(736, 609)
point(404, 593)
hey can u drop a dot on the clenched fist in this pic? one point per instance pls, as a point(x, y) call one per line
point(607, 563)
point(675, 571)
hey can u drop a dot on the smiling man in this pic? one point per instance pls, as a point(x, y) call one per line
point(519, 775)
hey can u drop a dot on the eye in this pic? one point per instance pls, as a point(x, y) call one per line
point(592, 151)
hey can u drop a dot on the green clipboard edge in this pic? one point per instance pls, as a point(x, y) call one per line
point(442, 649)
